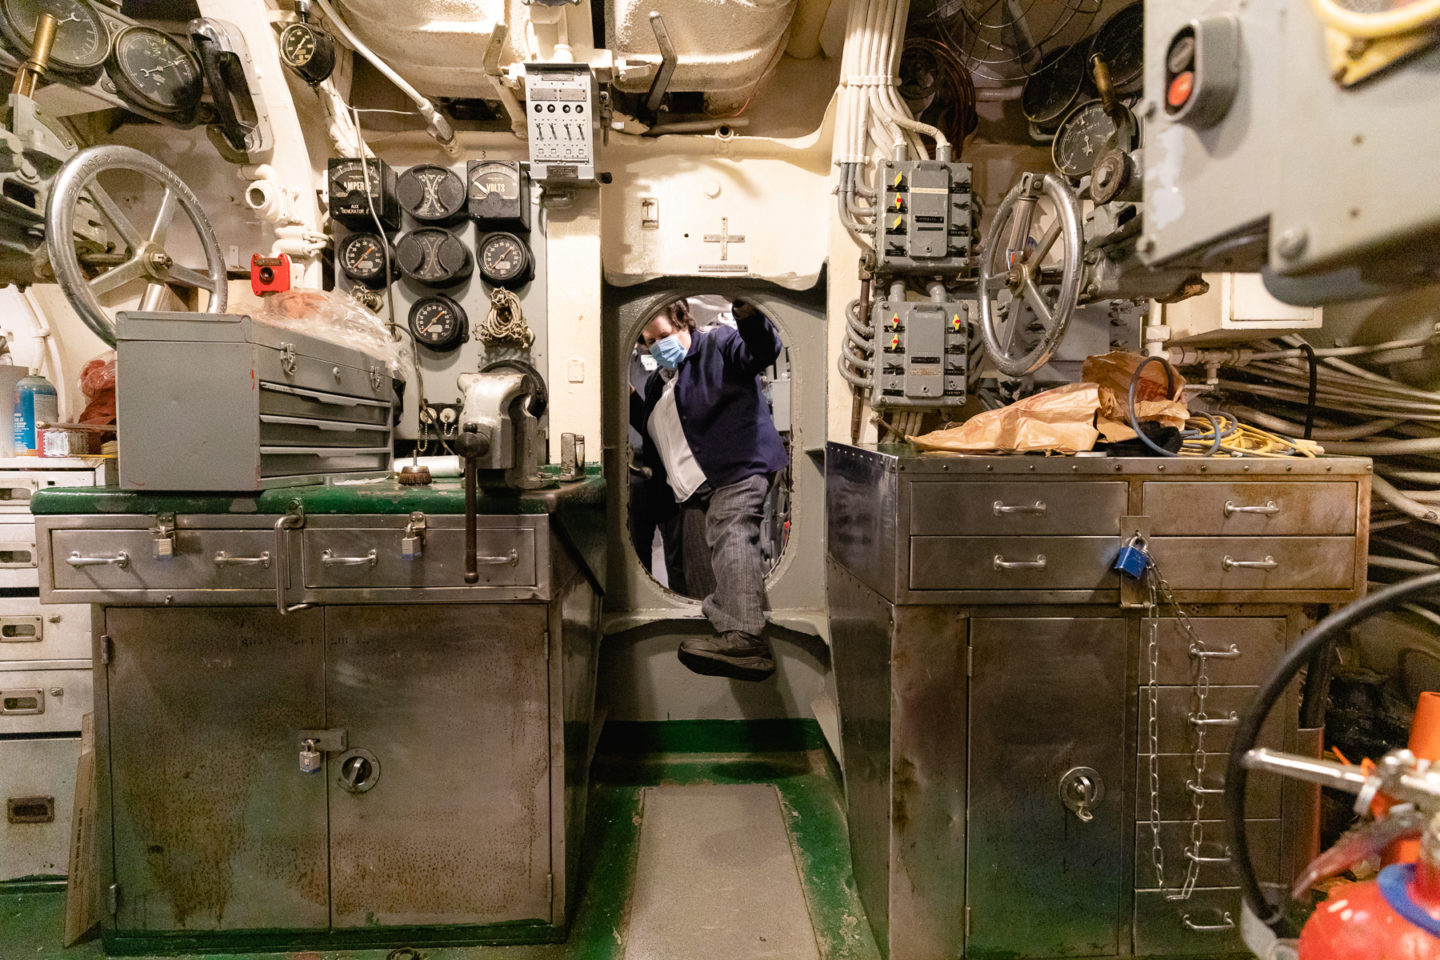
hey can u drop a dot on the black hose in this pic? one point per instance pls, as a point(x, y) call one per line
point(1314, 388)
point(1135, 422)
point(1324, 634)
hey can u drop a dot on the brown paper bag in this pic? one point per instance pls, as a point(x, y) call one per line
point(1056, 421)
point(1156, 396)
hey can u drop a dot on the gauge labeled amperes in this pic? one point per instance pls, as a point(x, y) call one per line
point(434, 257)
point(499, 194)
point(1087, 134)
point(155, 71)
point(307, 51)
point(505, 260)
point(348, 202)
point(438, 323)
point(363, 258)
point(430, 193)
point(81, 41)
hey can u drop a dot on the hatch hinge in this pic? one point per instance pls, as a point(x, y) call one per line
point(547, 644)
point(550, 888)
point(967, 923)
point(969, 661)
point(107, 650)
point(112, 896)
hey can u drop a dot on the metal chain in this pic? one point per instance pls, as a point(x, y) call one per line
point(1161, 594)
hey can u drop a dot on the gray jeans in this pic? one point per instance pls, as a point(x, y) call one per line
point(735, 596)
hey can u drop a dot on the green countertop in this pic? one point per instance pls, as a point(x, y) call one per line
point(380, 497)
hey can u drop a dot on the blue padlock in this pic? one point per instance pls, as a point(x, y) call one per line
point(1133, 559)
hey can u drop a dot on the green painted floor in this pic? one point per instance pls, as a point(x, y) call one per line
point(30, 922)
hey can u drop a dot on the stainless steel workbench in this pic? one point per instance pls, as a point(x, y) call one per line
point(988, 657)
point(452, 721)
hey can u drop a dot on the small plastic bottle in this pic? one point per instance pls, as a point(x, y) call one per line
point(35, 402)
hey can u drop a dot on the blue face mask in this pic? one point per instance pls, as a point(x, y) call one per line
point(668, 352)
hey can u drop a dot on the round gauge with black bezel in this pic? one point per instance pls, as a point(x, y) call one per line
point(363, 258)
point(1054, 87)
point(307, 51)
point(431, 193)
point(1086, 134)
point(505, 260)
point(434, 257)
point(153, 70)
point(1120, 42)
point(438, 322)
point(81, 41)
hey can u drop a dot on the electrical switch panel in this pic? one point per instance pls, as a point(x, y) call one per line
point(920, 353)
point(560, 120)
point(924, 222)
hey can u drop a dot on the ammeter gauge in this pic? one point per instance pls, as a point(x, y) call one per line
point(430, 193)
point(505, 260)
point(154, 71)
point(438, 322)
point(348, 181)
point(434, 257)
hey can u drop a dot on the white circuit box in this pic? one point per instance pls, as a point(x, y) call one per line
point(560, 120)
point(1236, 308)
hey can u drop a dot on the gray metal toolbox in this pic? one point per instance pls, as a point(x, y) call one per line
point(211, 402)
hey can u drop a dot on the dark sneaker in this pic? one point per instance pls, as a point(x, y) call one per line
point(734, 654)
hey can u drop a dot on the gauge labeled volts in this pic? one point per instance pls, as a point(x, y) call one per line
point(505, 260)
point(438, 323)
point(499, 193)
point(307, 51)
point(430, 193)
point(363, 258)
point(81, 41)
point(154, 71)
point(350, 203)
point(434, 257)
point(1086, 134)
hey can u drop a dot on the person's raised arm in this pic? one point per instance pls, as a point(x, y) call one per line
point(757, 345)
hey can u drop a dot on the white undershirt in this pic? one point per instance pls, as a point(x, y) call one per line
point(681, 469)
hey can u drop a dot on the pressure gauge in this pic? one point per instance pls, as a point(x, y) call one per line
point(505, 260)
point(499, 193)
point(430, 193)
point(1052, 90)
point(438, 323)
point(1086, 135)
point(307, 51)
point(154, 71)
point(81, 41)
point(363, 257)
point(1120, 42)
point(349, 181)
point(433, 257)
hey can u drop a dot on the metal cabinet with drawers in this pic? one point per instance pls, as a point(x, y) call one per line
point(45, 683)
point(995, 690)
point(312, 732)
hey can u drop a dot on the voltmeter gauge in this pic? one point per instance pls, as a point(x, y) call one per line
point(363, 257)
point(1120, 42)
point(154, 71)
point(430, 193)
point(81, 40)
point(499, 193)
point(1087, 134)
point(434, 257)
point(505, 260)
point(348, 182)
point(307, 51)
point(438, 323)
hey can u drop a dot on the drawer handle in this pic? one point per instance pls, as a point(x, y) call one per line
point(1231, 721)
point(511, 559)
point(1225, 925)
point(1230, 563)
point(1002, 508)
point(329, 559)
point(1037, 564)
point(1200, 791)
point(223, 559)
point(1194, 857)
point(121, 560)
point(1200, 653)
point(1269, 509)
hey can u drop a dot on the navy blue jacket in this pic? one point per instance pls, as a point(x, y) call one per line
point(722, 408)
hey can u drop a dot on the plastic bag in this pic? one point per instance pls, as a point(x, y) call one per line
point(336, 318)
point(1056, 421)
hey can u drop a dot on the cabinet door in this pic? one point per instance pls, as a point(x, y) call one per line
point(451, 705)
point(1046, 697)
point(215, 827)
